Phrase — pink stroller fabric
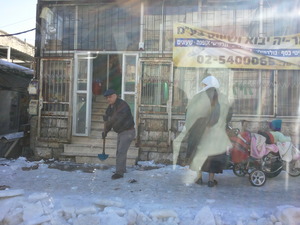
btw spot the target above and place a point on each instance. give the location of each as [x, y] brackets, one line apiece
[259, 148]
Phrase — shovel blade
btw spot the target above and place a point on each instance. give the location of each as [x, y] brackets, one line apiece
[102, 157]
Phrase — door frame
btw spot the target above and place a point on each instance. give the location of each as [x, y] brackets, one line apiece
[87, 92]
[170, 92]
[135, 92]
[90, 56]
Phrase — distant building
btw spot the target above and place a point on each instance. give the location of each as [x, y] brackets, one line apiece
[14, 50]
[131, 46]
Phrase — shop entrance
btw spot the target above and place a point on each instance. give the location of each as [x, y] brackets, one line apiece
[94, 73]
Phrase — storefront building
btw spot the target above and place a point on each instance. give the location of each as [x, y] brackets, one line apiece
[87, 46]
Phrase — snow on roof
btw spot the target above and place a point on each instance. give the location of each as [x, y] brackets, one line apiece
[9, 67]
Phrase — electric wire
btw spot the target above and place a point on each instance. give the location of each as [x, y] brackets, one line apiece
[26, 31]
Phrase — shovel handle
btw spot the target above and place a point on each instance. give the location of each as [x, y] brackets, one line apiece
[103, 148]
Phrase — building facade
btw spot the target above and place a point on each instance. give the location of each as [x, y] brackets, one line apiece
[84, 47]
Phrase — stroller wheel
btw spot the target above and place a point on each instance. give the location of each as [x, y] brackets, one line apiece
[239, 169]
[257, 178]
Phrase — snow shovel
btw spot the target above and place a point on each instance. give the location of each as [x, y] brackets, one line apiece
[103, 156]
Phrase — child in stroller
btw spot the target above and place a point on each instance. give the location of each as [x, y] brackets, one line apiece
[250, 156]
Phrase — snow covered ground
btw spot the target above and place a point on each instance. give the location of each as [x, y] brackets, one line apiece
[61, 193]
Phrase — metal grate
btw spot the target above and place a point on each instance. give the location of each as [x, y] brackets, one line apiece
[253, 92]
[55, 92]
[155, 87]
[110, 27]
[288, 94]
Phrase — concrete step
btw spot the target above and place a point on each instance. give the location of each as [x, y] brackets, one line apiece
[97, 126]
[89, 154]
[97, 141]
[109, 161]
[79, 149]
[100, 104]
[97, 117]
[100, 111]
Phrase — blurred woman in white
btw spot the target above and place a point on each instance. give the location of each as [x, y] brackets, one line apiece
[205, 129]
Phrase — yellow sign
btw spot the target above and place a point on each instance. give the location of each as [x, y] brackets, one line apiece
[195, 47]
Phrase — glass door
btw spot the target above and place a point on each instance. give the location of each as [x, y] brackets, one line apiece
[82, 94]
[129, 81]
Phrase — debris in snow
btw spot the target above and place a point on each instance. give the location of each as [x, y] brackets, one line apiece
[131, 217]
[86, 210]
[132, 181]
[288, 215]
[37, 196]
[27, 168]
[37, 220]
[204, 217]
[149, 165]
[116, 210]
[32, 210]
[105, 203]
[11, 193]
[112, 219]
[4, 187]
[163, 213]
[273, 219]
[160, 197]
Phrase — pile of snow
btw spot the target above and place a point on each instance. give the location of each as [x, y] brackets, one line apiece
[36, 194]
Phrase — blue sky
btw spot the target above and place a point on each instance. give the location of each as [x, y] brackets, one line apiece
[17, 16]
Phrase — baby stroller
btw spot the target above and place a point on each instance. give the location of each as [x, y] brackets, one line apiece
[269, 166]
[243, 163]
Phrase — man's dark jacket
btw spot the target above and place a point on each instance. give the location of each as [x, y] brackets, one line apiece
[118, 117]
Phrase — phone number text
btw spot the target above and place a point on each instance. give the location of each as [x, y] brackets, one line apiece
[240, 60]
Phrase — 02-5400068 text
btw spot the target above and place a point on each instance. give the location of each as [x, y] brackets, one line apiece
[240, 60]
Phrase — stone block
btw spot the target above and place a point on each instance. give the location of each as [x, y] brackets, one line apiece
[144, 156]
[148, 149]
[156, 136]
[53, 132]
[62, 123]
[161, 157]
[156, 125]
[57, 152]
[53, 144]
[43, 152]
[144, 135]
[63, 133]
[42, 144]
[164, 149]
[152, 144]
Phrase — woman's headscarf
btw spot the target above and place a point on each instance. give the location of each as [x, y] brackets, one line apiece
[210, 81]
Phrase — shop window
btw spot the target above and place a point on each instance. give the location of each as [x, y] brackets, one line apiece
[185, 86]
[288, 92]
[187, 83]
[250, 91]
[58, 28]
[155, 87]
[253, 92]
[109, 27]
[159, 19]
[56, 87]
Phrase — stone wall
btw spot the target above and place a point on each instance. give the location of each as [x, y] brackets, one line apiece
[153, 134]
[51, 142]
